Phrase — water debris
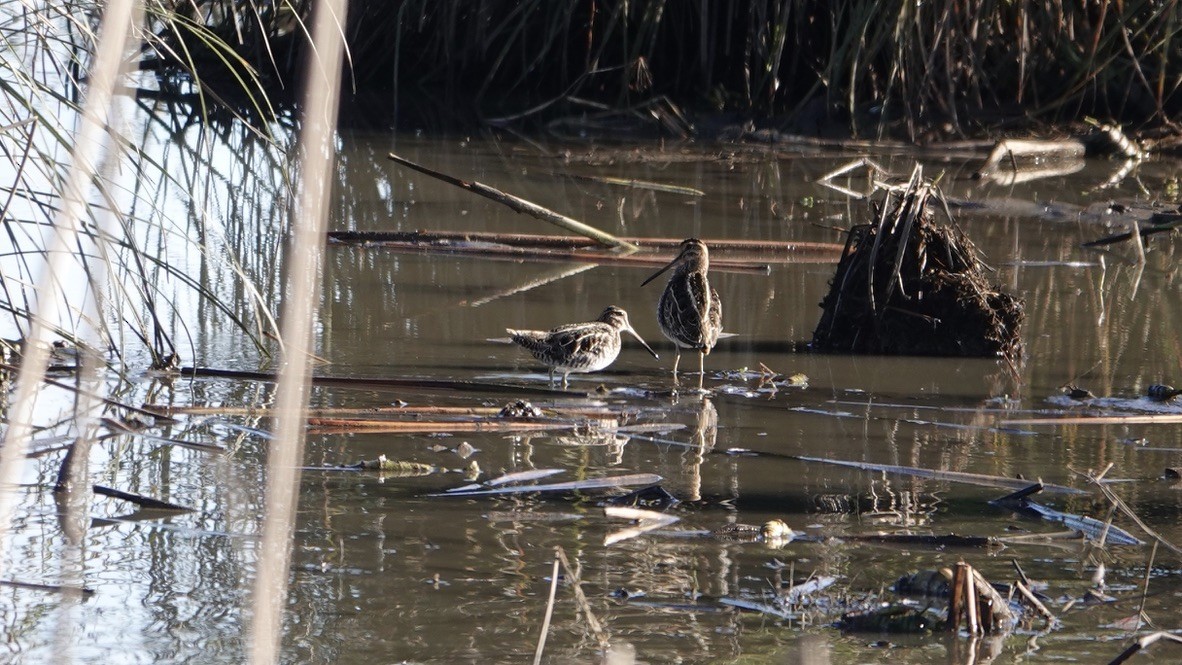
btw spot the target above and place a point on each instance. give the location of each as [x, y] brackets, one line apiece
[891, 618]
[1073, 391]
[522, 206]
[632, 183]
[520, 409]
[1013, 160]
[647, 520]
[1111, 139]
[52, 588]
[937, 474]
[737, 255]
[1092, 528]
[775, 532]
[985, 610]
[358, 426]
[139, 499]
[653, 497]
[1144, 643]
[401, 468]
[905, 286]
[925, 583]
[1144, 222]
[1162, 393]
[572, 486]
[508, 479]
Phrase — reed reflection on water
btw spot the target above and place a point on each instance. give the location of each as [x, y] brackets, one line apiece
[381, 571]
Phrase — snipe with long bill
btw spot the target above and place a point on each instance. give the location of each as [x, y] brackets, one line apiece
[579, 347]
[689, 311]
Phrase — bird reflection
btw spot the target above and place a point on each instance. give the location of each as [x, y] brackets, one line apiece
[703, 436]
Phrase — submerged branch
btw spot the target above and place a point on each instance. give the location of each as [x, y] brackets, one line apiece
[522, 206]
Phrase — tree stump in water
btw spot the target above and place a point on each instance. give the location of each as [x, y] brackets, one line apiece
[905, 286]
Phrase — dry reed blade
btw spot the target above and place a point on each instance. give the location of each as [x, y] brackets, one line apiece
[317, 142]
[549, 612]
[117, 24]
[522, 206]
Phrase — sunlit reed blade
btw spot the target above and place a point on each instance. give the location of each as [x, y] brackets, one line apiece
[115, 30]
[572, 486]
[317, 142]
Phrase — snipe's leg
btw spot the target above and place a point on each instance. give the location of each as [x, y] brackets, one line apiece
[565, 376]
[701, 368]
[676, 360]
[551, 377]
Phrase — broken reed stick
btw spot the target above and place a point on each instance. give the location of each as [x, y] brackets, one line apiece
[999, 609]
[139, 499]
[78, 391]
[970, 599]
[371, 382]
[581, 598]
[521, 205]
[599, 257]
[329, 412]
[1120, 504]
[341, 426]
[1034, 602]
[549, 612]
[956, 604]
[939, 474]
[1144, 643]
[735, 250]
[55, 588]
[1161, 419]
[632, 183]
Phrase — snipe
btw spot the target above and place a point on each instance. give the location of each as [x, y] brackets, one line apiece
[579, 347]
[689, 311]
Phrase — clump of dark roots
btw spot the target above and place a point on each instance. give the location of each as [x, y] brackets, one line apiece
[906, 286]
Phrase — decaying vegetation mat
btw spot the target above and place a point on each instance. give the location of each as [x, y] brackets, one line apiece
[907, 286]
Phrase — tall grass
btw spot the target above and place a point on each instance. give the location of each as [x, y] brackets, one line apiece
[128, 227]
[896, 66]
[877, 66]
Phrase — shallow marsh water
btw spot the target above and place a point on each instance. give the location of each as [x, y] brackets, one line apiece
[382, 572]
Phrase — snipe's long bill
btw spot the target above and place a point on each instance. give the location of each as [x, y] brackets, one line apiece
[689, 311]
[579, 347]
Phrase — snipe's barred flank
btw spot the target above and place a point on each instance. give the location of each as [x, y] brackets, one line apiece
[1162, 393]
[579, 347]
[689, 311]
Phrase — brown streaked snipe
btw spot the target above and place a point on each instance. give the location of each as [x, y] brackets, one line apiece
[579, 347]
[689, 311]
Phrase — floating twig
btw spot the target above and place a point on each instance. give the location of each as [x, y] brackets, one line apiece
[648, 520]
[733, 255]
[1091, 527]
[372, 382]
[549, 612]
[55, 588]
[139, 499]
[1158, 419]
[1123, 507]
[515, 477]
[636, 184]
[936, 474]
[572, 486]
[572, 575]
[1144, 643]
[343, 425]
[1035, 603]
[522, 206]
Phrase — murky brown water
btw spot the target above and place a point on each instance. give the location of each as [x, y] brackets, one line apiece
[382, 572]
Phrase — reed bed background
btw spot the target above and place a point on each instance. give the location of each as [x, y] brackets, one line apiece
[864, 66]
[218, 81]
